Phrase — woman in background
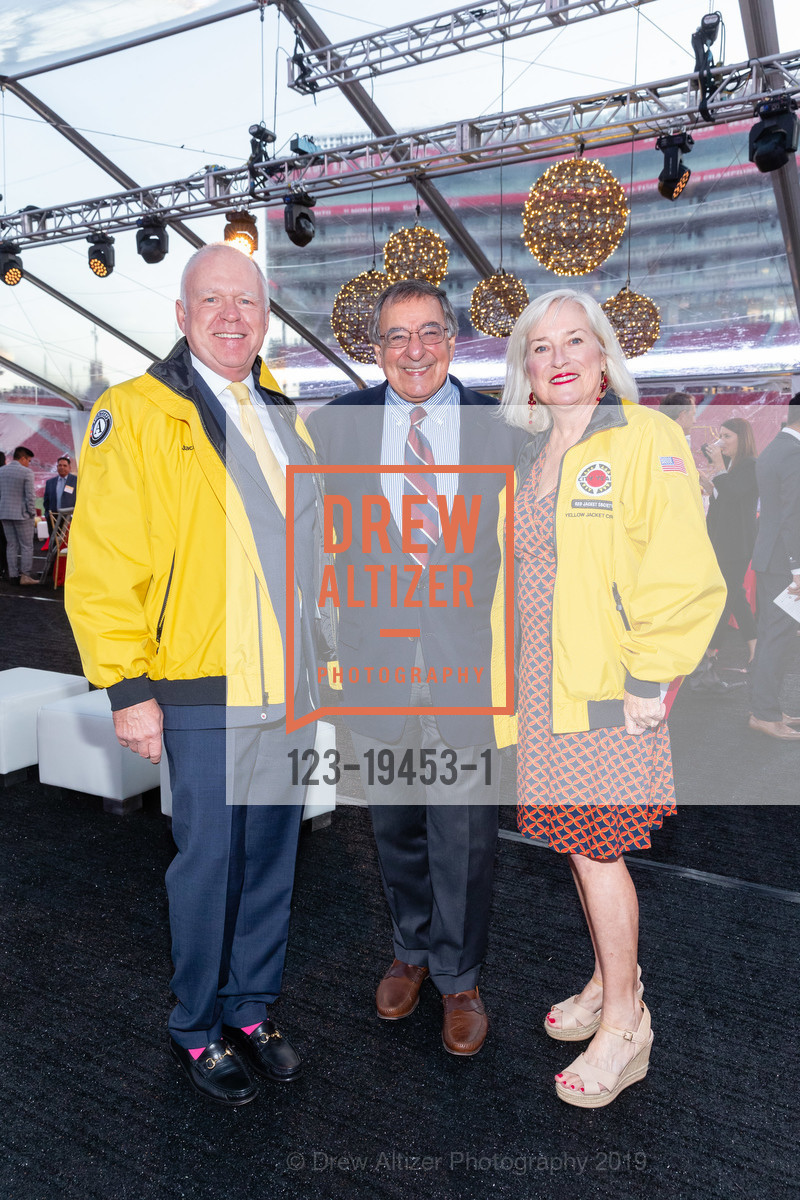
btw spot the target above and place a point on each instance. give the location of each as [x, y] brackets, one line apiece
[731, 484]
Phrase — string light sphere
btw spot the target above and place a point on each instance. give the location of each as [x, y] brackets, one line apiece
[496, 303]
[574, 216]
[635, 320]
[354, 302]
[416, 253]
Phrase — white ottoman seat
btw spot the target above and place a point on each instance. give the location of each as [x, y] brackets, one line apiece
[78, 749]
[320, 801]
[23, 691]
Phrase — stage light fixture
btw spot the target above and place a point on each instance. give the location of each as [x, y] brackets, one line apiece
[675, 175]
[709, 28]
[775, 136]
[241, 232]
[298, 219]
[260, 138]
[702, 39]
[10, 263]
[101, 254]
[152, 241]
[303, 145]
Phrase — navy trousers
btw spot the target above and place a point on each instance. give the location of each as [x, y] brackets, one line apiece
[230, 883]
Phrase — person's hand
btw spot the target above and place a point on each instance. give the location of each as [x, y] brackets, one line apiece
[716, 461]
[794, 586]
[642, 713]
[705, 483]
[138, 728]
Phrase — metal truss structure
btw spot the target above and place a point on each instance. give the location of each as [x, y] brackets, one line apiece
[568, 126]
[456, 31]
[389, 157]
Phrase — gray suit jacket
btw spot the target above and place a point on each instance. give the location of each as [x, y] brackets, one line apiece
[778, 474]
[17, 496]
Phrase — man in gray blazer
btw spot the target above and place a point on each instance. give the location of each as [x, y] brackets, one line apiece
[776, 562]
[17, 510]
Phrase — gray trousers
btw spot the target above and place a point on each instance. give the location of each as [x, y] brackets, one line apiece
[19, 546]
[436, 845]
[775, 633]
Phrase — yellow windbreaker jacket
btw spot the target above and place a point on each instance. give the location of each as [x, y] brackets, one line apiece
[165, 591]
[638, 591]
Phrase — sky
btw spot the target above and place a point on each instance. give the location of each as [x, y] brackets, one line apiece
[168, 109]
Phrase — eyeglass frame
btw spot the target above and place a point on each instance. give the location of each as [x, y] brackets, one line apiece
[432, 325]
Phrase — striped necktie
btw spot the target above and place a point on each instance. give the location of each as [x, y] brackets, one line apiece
[421, 483]
[257, 440]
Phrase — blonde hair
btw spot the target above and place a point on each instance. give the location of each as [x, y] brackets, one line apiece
[514, 406]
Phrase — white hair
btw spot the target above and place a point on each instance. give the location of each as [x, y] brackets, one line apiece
[214, 248]
[514, 406]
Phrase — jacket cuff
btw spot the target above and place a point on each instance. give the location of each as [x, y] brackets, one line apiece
[641, 687]
[128, 692]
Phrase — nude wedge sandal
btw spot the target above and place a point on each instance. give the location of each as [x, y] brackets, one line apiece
[587, 1022]
[593, 1077]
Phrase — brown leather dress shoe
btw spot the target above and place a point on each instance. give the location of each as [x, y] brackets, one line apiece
[776, 729]
[398, 992]
[465, 1022]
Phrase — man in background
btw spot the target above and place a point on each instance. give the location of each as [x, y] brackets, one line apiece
[776, 562]
[681, 407]
[17, 512]
[59, 491]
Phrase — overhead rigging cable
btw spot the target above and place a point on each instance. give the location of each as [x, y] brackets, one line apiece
[633, 144]
[5, 182]
[275, 92]
[263, 101]
[502, 109]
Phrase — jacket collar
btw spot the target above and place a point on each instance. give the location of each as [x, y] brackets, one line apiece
[176, 372]
[377, 395]
[609, 413]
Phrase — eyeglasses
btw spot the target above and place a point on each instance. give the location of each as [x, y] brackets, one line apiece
[429, 335]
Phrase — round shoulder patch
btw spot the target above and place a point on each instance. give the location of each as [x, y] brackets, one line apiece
[595, 479]
[101, 427]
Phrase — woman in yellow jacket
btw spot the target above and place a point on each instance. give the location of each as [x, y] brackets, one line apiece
[617, 592]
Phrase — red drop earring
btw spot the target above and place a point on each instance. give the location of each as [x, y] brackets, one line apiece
[531, 405]
[603, 386]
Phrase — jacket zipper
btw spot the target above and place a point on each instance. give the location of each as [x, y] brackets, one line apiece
[162, 614]
[585, 438]
[619, 607]
[264, 691]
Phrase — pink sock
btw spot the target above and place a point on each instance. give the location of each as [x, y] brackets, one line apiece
[248, 1029]
[196, 1053]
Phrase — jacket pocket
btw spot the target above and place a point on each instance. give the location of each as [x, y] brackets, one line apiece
[619, 606]
[162, 614]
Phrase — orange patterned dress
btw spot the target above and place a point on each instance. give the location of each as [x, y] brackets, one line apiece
[597, 793]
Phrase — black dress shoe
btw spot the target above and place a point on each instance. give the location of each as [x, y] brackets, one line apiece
[218, 1074]
[267, 1051]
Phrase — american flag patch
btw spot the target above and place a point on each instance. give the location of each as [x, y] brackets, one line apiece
[670, 463]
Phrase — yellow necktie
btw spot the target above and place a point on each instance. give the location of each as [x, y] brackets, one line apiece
[258, 442]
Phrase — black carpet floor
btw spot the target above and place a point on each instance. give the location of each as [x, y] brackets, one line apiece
[94, 1109]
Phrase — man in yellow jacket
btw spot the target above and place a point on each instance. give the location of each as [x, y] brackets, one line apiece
[178, 599]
